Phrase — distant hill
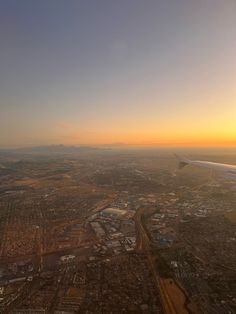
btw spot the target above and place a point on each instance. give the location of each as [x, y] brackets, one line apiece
[54, 149]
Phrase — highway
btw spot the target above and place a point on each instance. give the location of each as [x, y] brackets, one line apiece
[144, 245]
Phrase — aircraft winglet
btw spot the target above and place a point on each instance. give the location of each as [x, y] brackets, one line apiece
[182, 161]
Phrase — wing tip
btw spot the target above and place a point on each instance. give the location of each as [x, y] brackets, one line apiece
[182, 162]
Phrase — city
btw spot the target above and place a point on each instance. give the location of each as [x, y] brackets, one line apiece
[117, 157]
[115, 233]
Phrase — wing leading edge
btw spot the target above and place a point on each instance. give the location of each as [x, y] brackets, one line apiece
[225, 169]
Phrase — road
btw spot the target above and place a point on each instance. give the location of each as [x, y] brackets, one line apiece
[144, 245]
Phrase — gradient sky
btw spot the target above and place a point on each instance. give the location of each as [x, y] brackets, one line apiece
[143, 72]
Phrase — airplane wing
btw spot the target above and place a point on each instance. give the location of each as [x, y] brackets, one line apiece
[227, 170]
[182, 161]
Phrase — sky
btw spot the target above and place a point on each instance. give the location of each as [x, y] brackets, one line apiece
[108, 72]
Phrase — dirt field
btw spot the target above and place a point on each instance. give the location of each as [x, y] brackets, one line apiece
[75, 293]
[231, 216]
[175, 294]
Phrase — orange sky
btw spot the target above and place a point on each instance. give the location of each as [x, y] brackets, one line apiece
[134, 72]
